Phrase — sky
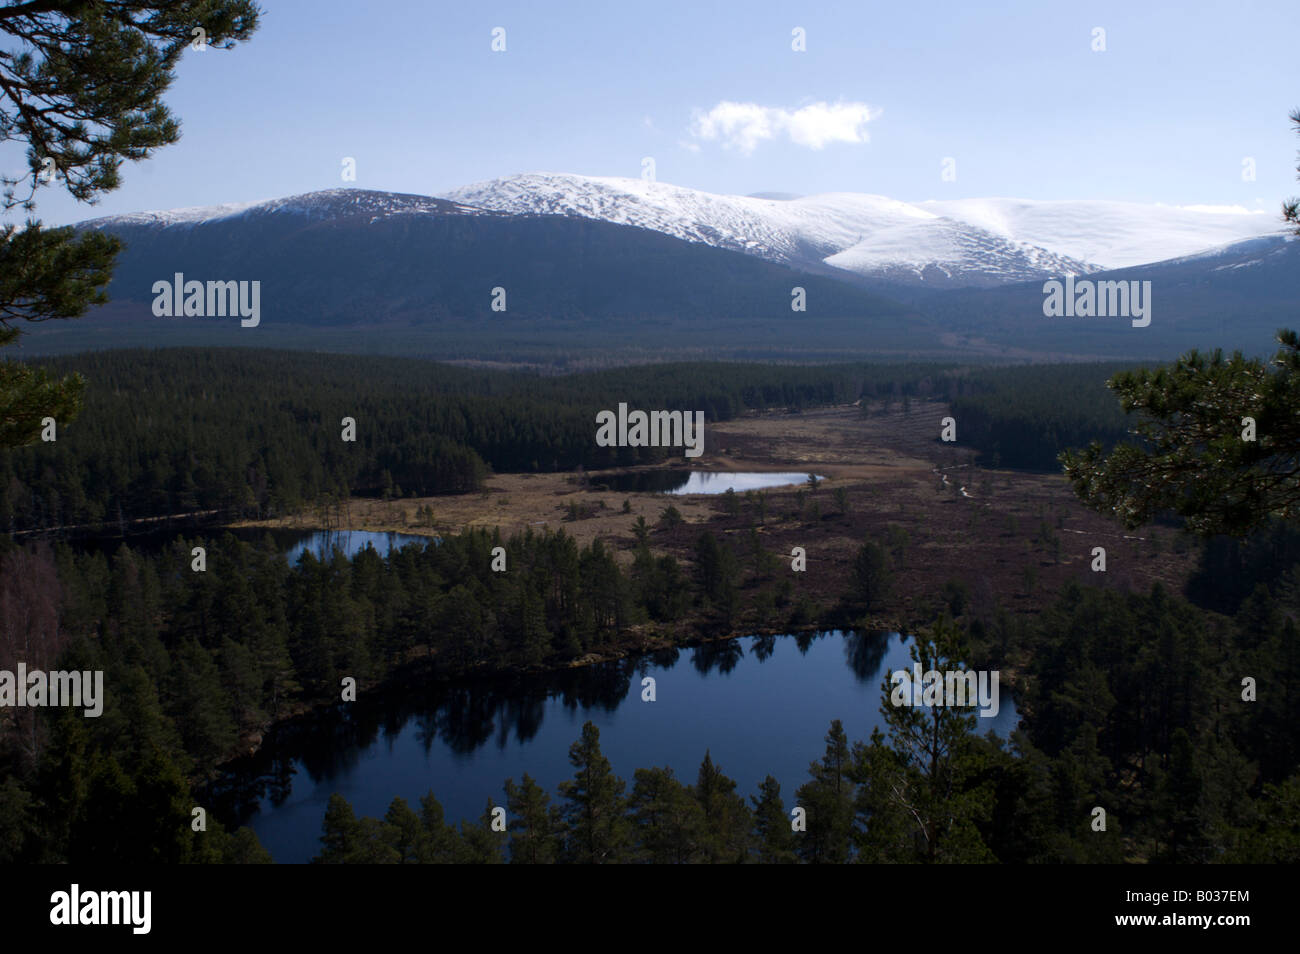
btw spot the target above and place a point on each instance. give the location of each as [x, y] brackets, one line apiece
[1018, 98]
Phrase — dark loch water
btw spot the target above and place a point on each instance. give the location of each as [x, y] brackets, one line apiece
[760, 705]
[695, 482]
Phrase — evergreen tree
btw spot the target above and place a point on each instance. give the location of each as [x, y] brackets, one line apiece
[596, 831]
[479, 843]
[1191, 457]
[872, 576]
[341, 834]
[403, 832]
[773, 836]
[1179, 791]
[534, 827]
[440, 843]
[82, 90]
[727, 821]
[828, 799]
[668, 822]
[921, 797]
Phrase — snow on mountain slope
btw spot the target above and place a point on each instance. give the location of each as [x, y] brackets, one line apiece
[783, 230]
[326, 204]
[944, 252]
[962, 242]
[1112, 234]
[867, 234]
[976, 241]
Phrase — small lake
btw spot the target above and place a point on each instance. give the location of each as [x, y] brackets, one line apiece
[759, 705]
[321, 543]
[696, 481]
[292, 543]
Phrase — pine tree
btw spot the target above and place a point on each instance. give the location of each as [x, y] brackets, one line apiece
[82, 91]
[872, 576]
[403, 832]
[535, 823]
[1191, 457]
[596, 831]
[726, 816]
[479, 843]
[439, 844]
[669, 823]
[1179, 794]
[773, 836]
[920, 791]
[828, 799]
[341, 833]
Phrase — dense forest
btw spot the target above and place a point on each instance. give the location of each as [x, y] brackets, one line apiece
[232, 433]
[1023, 417]
[198, 661]
[259, 433]
[1131, 703]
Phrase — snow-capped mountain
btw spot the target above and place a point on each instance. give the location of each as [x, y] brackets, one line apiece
[868, 235]
[327, 204]
[642, 260]
[356, 256]
[1111, 234]
[969, 242]
[936, 244]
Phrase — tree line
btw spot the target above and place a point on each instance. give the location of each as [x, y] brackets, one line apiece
[1181, 767]
[1131, 702]
[1024, 417]
[195, 663]
[247, 433]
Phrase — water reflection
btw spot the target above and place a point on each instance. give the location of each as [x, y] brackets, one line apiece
[769, 715]
[695, 481]
[322, 543]
[721, 656]
[865, 652]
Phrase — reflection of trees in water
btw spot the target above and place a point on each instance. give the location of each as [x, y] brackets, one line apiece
[235, 797]
[865, 653]
[805, 640]
[347, 733]
[665, 658]
[426, 729]
[466, 717]
[722, 656]
[604, 685]
[524, 712]
[324, 746]
[280, 783]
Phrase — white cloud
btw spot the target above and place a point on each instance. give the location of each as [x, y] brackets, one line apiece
[744, 125]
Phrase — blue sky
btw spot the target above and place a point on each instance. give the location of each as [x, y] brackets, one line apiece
[883, 93]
